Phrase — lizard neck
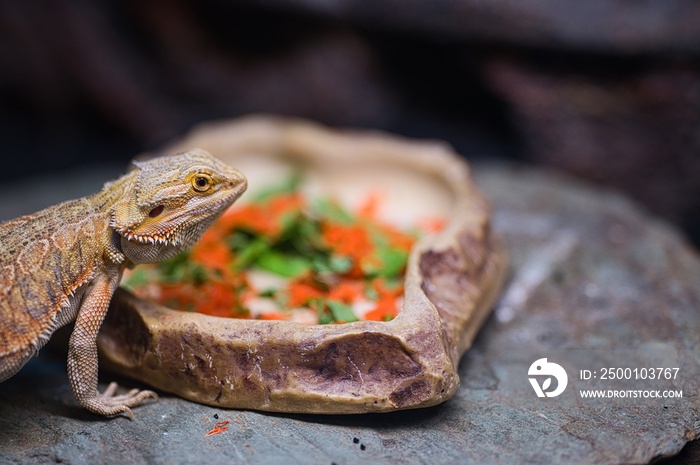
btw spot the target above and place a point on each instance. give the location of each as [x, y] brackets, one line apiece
[114, 192]
[103, 202]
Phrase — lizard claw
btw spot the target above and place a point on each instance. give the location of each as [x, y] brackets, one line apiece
[109, 404]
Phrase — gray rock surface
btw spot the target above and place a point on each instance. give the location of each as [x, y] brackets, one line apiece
[594, 283]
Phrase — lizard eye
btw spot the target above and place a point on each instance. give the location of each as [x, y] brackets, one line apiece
[201, 182]
[156, 211]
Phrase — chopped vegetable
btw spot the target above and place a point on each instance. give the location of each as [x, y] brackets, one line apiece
[342, 313]
[283, 257]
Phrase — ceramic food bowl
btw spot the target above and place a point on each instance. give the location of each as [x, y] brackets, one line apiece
[451, 282]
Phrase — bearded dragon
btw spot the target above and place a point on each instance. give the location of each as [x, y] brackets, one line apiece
[63, 264]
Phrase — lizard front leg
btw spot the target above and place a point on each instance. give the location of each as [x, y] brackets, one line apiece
[82, 354]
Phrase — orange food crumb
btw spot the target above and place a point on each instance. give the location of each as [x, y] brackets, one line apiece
[219, 427]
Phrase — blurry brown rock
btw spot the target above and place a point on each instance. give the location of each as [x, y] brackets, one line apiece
[607, 90]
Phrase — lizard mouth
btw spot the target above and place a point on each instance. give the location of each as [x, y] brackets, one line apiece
[148, 239]
[161, 238]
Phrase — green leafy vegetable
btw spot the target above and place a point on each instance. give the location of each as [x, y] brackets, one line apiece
[287, 265]
[341, 311]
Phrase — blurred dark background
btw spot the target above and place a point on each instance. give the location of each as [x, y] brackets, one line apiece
[608, 91]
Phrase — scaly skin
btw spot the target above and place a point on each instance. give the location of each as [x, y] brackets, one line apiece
[63, 263]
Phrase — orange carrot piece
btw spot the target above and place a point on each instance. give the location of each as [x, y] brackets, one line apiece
[286, 203]
[216, 299]
[349, 240]
[352, 241]
[381, 288]
[370, 206]
[386, 308]
[346, 291]
[301, 293]
[211, 252]
[251, 217]
[398, 239]
[263, 219]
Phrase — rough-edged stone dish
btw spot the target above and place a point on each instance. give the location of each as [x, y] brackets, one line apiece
[452, 280]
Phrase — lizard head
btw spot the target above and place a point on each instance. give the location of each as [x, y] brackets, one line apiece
[171, 202]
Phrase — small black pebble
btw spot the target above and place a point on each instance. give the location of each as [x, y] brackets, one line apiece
[355, 440]
[216, 416]
[362, 447]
